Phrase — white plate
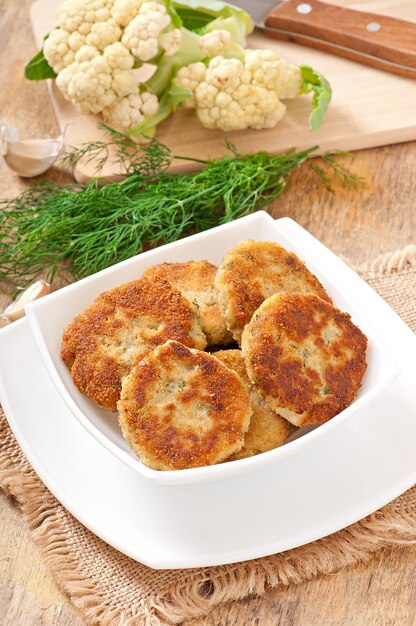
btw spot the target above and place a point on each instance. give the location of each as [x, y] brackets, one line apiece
[50, 315]
[336, 479]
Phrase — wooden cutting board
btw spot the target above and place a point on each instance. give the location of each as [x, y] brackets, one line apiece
[369, 107]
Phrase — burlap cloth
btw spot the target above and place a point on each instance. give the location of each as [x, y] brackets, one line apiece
[110, 588]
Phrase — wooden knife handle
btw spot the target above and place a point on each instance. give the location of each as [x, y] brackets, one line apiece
[383, 42]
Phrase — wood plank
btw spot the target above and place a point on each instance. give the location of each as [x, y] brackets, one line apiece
[369, 108]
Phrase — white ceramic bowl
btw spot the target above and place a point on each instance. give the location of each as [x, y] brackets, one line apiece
[49, 316]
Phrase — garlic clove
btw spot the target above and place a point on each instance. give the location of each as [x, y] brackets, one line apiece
[16, 309]
[28, 157]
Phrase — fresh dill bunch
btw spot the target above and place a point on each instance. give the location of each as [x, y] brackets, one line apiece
[94, 226]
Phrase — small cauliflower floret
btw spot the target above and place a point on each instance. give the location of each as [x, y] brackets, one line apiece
[124, 11]
[124, 82]
[171, 41]
[131, 110]
[141, 36]
[80, 15]
[215, 43]
[57, 50]
[86, 53]
[118, 56]
[92, 84]
[228, 98]
[190, 77]
[76, 41]
[270, 71]
[290, 81]
[103, 34]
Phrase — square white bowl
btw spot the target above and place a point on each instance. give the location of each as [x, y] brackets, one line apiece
[49, 316]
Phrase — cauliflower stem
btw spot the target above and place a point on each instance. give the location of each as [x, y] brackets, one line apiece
[188, 52]
[168, 104]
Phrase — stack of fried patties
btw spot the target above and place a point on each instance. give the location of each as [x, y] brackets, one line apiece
[208, 364]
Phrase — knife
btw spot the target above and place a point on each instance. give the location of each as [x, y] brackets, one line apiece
[383, 42]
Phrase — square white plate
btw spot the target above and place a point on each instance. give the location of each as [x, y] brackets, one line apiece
[332, 480]
[50, 315]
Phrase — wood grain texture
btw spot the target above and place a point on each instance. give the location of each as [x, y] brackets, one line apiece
[343, 31]
[363, 112]
[357, 226]
[358, 596]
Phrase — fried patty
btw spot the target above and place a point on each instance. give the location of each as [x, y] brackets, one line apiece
[254, 270]
[195, 280]
[183, 408]
[109, 337]
[267, 430]
[305, 356]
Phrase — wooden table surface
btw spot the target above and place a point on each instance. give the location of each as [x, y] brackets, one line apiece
[358, 226]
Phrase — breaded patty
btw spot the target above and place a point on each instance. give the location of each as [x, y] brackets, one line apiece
[109, 337]
[254, 270]
[267, 430]
[195, 280]
[305, 356]
[182, 408]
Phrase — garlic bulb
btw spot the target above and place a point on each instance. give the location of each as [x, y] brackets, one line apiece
[16, 309]
[28, 157]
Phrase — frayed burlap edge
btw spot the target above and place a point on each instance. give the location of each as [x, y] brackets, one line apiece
[393, 525]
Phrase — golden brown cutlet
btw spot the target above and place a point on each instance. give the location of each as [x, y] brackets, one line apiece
[305, 356]
[254, 270]
[109, 337]
[267, 429]
[195, 280]
[182, 408]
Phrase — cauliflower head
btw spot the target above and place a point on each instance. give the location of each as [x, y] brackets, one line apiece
[91, 83]
[197, 49]
[81, 22]
[230, 98]
[131, 110]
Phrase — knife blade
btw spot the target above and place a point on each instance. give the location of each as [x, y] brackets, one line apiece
[383, 42]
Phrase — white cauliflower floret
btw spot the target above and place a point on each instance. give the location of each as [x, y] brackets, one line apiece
[86, 53]
[290, 81]
[233, 94]
[103, 34]
[124, 82]
[57, 50]
[215, 43]
[131, 110]
[190, 77]
[171, 41]
[272, 72]
[118, 56]
[141, 36]
[124, 11]
[80, 15]
[229, 99]
[93, 84]
[76, 40]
